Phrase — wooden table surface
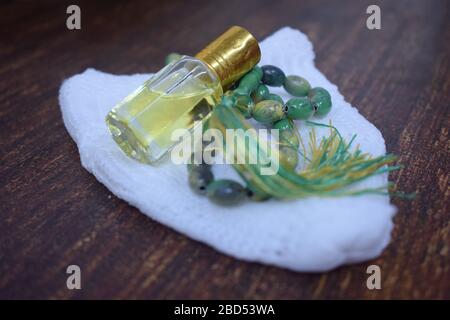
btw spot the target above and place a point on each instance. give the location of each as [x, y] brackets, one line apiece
[54, 213]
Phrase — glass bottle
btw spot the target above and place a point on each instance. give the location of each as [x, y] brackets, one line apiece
[179, 95]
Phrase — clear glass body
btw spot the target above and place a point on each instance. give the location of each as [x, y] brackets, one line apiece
[178, 96]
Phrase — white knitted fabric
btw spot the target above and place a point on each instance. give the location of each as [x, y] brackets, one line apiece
[314, 234]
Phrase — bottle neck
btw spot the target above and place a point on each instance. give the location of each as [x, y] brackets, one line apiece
[231, 55]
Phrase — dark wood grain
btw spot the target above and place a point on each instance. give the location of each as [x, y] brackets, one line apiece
[54, 213]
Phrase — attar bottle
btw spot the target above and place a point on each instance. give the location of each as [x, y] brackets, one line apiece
[179, 95]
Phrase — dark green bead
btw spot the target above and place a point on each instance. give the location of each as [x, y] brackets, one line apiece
[171, 57]
[274, 97]
[321, 101]
[273, 76]
[200, 178]
[288, 157]
[249, 82]
[225, 192]
[289, 137]
[297, 86]
[244, 104]
[197, 166]
[299, 108]
[268, 111]
[260, 93]
[283, 124]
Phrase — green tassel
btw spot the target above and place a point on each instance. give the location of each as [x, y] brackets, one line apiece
[329, 168]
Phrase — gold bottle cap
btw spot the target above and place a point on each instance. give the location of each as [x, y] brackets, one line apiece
[231, 55]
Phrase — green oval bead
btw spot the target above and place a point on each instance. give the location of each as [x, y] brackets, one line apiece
[244, 104]
[275, 97]
[299, 108]
[319, 91]
[225, 192]
[297, 86]
[260, 93]
[268, 111]
[273, 76]
[288, 157]
[322, 105]
[290, 138]
[283, 124]
[321, 101]
[200, 178]
[171, 57]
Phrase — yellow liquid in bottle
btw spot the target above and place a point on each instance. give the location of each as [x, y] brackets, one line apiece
[142, 124]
